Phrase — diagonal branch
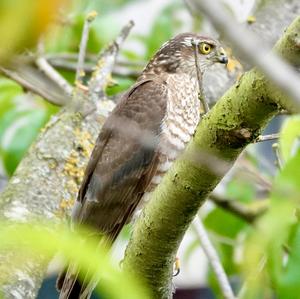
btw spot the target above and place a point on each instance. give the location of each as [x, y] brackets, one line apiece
[246, 212]
[50, 72]
[246, 43]
[213, 258]
[235, 121]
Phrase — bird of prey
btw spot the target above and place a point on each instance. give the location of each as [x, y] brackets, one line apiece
[139, 141]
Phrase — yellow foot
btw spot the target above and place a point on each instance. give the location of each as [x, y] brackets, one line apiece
[176, 267]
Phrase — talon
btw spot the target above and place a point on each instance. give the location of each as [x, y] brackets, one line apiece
[176, 267]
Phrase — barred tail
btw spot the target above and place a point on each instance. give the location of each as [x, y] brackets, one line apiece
[70, 287]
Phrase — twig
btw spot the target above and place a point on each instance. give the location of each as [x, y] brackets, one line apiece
[89, 68]
[284, 112]
[28, 80]
[268, 137]
[101, 74]
[278, 161]
[83, 43]
[213, 258]
[246, 212]
[246, 42]
[50, 72]
[66, 56]
[199, 78]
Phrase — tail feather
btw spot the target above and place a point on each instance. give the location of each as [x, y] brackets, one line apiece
[69, 285]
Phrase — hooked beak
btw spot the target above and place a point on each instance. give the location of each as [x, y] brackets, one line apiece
[222, 56]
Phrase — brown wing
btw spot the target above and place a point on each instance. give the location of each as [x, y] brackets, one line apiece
[124, 159]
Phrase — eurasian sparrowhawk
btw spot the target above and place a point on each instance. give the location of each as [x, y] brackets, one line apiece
[139, 141]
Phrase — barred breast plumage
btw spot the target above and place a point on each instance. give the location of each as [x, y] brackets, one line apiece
[178, 127]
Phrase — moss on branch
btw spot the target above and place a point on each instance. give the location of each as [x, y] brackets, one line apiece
[235, 121]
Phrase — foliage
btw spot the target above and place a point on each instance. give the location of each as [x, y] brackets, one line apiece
[21, 118]
[28, 240]
[265, 254]
[33, 18]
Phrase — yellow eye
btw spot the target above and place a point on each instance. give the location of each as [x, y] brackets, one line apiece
[205, 48]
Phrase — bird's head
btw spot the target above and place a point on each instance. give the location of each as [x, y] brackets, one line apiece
[179, 54]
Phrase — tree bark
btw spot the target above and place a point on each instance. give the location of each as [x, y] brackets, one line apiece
[236, 120]
[45, 187]
[45, 184]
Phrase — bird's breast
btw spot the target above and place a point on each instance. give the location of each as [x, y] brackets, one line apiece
[178, 126]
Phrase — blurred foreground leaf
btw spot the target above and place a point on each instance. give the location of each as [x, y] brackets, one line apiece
[290, 137]
[22, 22]
[26, 241]
[272, 250]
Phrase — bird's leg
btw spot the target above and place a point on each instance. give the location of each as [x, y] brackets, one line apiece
[176, 267]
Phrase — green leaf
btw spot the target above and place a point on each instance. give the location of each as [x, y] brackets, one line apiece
[289, 281]
[26, 241]
[241, 190]
[8, 91]
[265, 253]
[227, 226]
[233, 223]
[21, 117]
[19, 134]
[289, 140]
[163, 29]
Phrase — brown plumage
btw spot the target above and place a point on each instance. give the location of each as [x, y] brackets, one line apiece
[139, 141]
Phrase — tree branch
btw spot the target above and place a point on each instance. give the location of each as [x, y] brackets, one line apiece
[268, 137]
[101, 75]
[83, 44]
[246, 43]
[235, 121]
[246, 212]
[213, 258]
[88, 68]
[49, 71]
[46, 182]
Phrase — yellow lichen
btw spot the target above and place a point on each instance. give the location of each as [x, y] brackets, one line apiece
[64, 206]
[74, 167]
[251, 19]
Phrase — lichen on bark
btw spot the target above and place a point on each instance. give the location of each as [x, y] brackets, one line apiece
[44, 187]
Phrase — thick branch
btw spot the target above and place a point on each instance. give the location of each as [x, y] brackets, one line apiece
[46, 182]
[246, 43]
[235, 121]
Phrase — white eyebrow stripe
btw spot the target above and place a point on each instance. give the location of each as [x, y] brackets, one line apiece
[187, 41]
